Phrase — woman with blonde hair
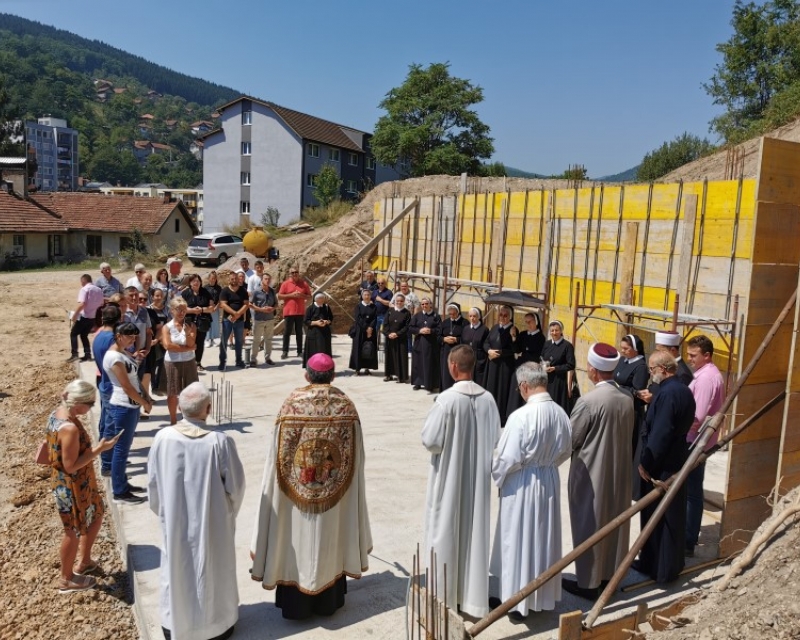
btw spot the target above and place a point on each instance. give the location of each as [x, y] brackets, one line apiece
[74, 485]
[178, 339]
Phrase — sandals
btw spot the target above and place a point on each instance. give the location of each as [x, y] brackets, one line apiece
[78, 583]
[89, 568]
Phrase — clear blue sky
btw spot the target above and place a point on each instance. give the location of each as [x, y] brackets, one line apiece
[593, 83]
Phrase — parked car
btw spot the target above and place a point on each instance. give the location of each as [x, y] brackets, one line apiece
[215, 248]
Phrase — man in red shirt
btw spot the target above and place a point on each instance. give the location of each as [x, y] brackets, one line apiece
[294, 293]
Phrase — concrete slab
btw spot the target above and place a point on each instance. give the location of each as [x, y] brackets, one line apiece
[396, 474]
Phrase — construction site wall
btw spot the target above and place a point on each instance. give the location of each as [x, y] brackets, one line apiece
[713, 245]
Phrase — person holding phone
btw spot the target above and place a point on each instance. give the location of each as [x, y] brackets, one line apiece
[74, 484]
[125, 404]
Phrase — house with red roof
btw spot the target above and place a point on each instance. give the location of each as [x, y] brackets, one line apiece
[64, 226]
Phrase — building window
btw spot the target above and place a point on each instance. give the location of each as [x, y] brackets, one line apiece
[94, 245]
[333, 155]
[245, 206]
[313, 150]
[245, 177]
[246, 148]
[177, 225]
[370, 162]
[352, 186]
[247, 117]
[18, 245]
[352, 159]
[57, 245]
[311, 180]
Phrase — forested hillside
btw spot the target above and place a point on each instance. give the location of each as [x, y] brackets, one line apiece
[114, 99]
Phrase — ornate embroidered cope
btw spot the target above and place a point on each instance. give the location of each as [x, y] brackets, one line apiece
[316, 447]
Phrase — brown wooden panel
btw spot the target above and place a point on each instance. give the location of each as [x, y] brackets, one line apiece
[789, 482]
[789, 468]
[750, 399]
[791, 436]
[771, 287]
[739, 520]
[774, 364]
[775, 222]
[751, 468]
[779, 171]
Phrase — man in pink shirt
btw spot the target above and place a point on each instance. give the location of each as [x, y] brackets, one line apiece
[294, 293]
[708, 389]
[90, 299]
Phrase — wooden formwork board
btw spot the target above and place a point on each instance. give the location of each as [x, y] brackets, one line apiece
[751, 398]
[740, 519]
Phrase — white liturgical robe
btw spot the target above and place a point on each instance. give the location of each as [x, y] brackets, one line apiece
[527, 541]
[195, 486]
[461, 430]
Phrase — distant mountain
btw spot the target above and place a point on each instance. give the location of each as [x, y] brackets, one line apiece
[625, 176]
[511, 172]
[95, 58]
[137, 120]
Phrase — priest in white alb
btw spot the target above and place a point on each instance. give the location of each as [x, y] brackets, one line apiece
[461, 430]
[195, 486]
[312, 528]
[536, 440]
[599, 486]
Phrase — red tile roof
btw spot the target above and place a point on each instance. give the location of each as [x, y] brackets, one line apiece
[19, 215]
[119, 214]
[147, 116]
[306, 126]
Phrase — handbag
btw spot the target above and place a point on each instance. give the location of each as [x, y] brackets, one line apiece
[203, 323]
[368, 350]
[352, 331]
[43, 454]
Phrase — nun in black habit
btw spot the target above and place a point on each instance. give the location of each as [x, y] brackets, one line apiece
[424, 328]
[559, 356]
[474, 334]
[528, 348]
[318, 321]
[395, 328]
[364, 331]
[449, 336]
[499, 347]
[632, 375]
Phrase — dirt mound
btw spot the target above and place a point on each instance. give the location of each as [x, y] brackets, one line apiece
[716, 166]
[762, 602]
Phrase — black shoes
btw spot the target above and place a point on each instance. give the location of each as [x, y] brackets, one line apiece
[132, 488]
[284, 356]
[73, 358]
[128, 498]
[269, 361]
[416, 387]
[571, 586]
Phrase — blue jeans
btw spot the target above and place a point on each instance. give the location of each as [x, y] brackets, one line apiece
[694, 505]
[237, 328]
[124, 419]
[213, 333]
[105, 428]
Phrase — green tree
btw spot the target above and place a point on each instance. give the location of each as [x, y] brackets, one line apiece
[429, 124]
[492, 170]
[671, 155]
[117, 167]
[759, 61]
[10, 125]
[328, 185]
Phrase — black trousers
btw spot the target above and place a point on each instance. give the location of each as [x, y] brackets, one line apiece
[293, 324]
[81, 327]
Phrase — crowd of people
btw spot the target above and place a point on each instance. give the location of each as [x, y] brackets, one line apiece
[508, 412]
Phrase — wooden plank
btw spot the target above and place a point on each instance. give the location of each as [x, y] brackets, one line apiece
[791, 431]
[687, 246]
[774, 223]
[612, 629]
[751, 468]
[773, 367]
[740, 519]
[779, 171]
[751, 398]
[569, 625]
[772, 287]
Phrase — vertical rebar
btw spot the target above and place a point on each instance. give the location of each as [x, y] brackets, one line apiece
[446, 611]
[419, 591]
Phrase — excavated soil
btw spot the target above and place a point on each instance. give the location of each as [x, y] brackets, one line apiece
[35, 344]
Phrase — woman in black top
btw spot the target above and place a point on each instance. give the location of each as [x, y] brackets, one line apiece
[449, 336]
[559, 356]
[474, 334]
[198, 312]
[213, 289]
[364, 331]
[317, 321]
[528, 348]
[633, 375]
[499, 347]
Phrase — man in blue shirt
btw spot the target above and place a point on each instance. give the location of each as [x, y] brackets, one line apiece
[103, 339]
